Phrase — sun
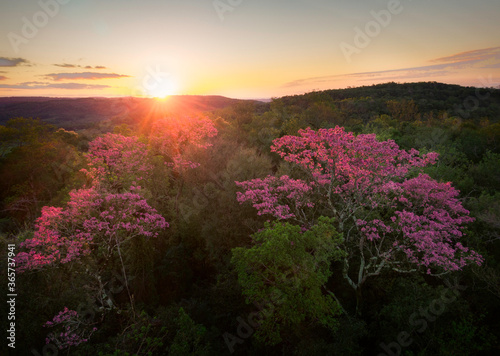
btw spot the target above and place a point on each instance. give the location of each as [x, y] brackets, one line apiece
[162, 89]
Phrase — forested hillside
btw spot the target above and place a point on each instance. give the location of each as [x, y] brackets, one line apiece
[360, 221]
[81, 113]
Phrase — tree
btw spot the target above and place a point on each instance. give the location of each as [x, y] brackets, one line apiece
[287, 268]
[97, 223]
[72, 330]
[404, 110]
[36, 166]
[93, 224]
[173, 138]
[391, 218]
[90, 222]
[115, 162]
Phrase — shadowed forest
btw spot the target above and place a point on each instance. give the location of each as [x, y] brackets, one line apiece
[358, 221]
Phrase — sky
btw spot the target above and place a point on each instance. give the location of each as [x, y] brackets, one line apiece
[242, 48]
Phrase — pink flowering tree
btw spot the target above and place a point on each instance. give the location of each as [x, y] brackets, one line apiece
[392, 216]
[116, 162]
[89, 221]
[68, 329]
[93, 225]
[97, 223]
[173, 138]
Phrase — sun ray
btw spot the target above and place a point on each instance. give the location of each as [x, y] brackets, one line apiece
[162, 89]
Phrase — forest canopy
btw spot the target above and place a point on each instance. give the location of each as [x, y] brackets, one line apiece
[355, 221]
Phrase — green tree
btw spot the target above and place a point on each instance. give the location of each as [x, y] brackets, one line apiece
[286, 269]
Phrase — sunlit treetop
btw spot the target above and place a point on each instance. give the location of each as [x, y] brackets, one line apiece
[172, 138]
[90, 219]
[116, 162]
[401, 219]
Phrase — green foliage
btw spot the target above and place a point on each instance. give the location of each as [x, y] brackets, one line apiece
[437, 318]
[287, 268]
[171, 333]
[486, 173]
[453, 166]
[190, 338]
[291, 284]
[464, 336]
[38, 167]
[146, 336]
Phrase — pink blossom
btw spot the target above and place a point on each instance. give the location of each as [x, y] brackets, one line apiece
[365, 184]
[116, 161]
[172, 139]
[90, 218]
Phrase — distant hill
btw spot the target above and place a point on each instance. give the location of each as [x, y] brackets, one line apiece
[392, 91]
[351, 103]
[79, 113]
[366, 101]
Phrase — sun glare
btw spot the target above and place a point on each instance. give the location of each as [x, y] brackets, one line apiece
[162, 89]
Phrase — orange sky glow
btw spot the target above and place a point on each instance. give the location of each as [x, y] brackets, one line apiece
[240, 48]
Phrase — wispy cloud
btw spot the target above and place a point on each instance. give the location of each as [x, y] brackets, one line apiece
[3, 77]
[44, 85]
[67, 65]
[12, 62]
[476, 55]
[488, 58]
[85, 75]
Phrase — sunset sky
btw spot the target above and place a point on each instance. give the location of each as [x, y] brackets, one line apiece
[242, 48]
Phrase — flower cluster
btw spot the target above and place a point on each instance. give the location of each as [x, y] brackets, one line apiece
[63, 235]
[429, 222]
[355, 161]
[109, 213]
[172, 138]
[115, 161]
[357, 178]
[71, 333]
[273, 195]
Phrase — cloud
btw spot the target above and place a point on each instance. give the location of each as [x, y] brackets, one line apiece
[3, 77]
[44, 85]
[488, 58]
[408, 75]
[12, 62]
[492, 66]
[388, 75]
[66, 65]
[469, 56]
[85, 75]
[78, 86]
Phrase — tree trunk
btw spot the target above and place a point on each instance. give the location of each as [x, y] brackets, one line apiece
[359, 300]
